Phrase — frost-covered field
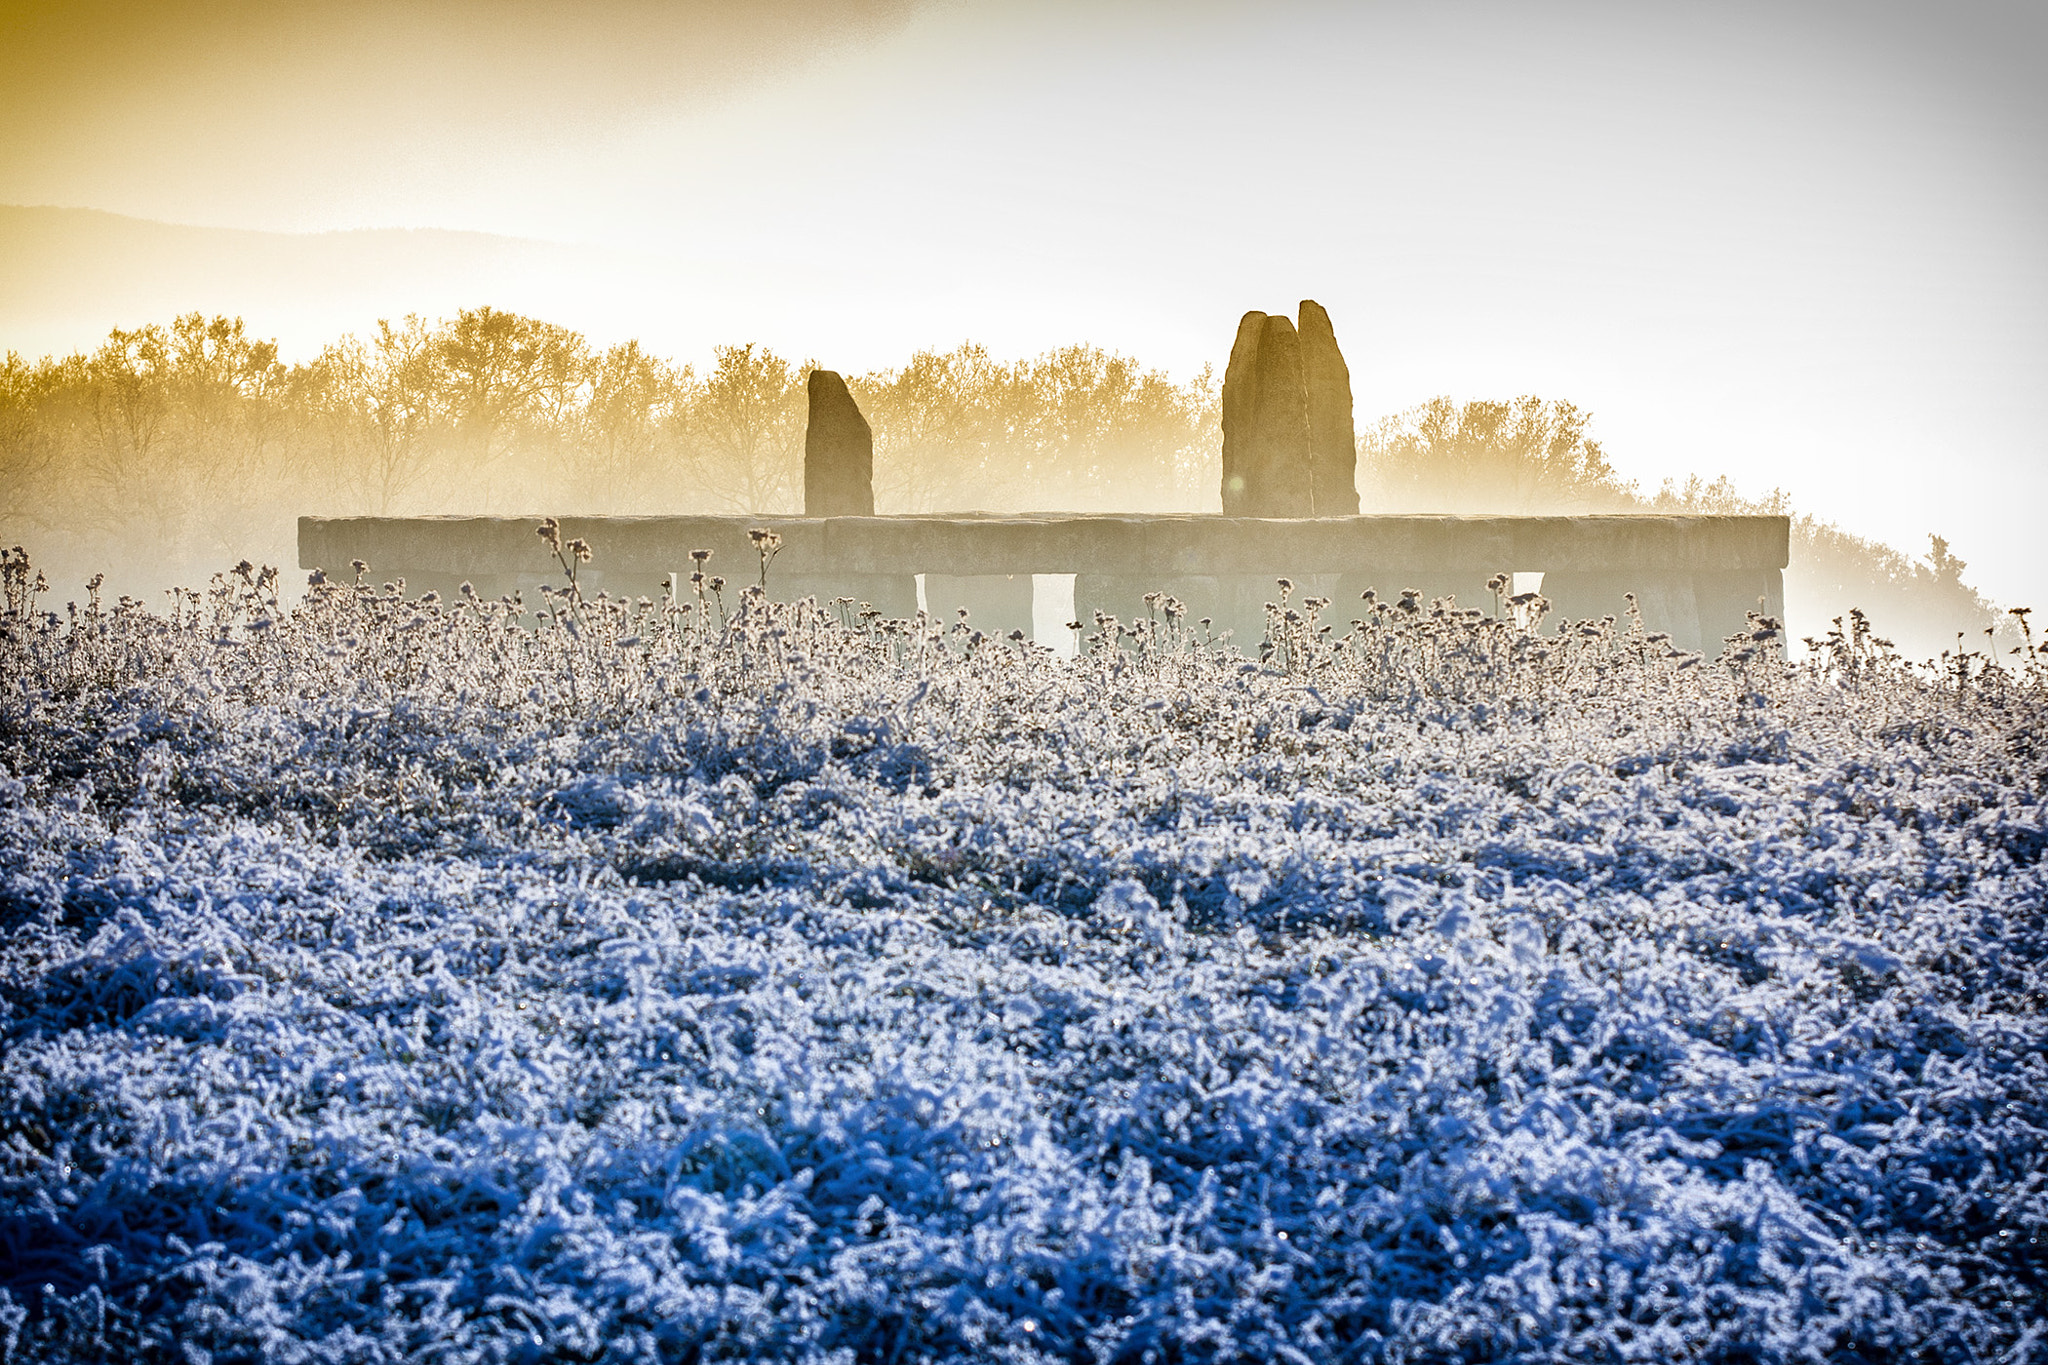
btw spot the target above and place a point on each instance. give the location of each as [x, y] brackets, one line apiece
[385, 982]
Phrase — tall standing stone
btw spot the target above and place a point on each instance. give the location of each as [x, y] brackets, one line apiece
[1277, 468]
[1240, 405]
[839, 452]
[1333, 442]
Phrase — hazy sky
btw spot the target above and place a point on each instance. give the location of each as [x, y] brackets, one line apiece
[1804, 244]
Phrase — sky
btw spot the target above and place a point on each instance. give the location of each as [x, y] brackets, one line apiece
[1796, 243]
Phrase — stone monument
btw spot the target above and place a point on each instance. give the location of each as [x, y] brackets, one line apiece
[839, 452]
[1289, 447]
[1333, 442]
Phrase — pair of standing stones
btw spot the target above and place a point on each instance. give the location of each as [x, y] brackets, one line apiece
[1289, 447]
[1288, 451]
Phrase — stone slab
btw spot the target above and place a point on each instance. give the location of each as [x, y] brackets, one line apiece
[1139, 545]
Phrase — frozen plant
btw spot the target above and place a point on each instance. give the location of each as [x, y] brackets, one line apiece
[389, 979]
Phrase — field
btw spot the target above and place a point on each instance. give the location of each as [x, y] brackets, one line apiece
[701, 979]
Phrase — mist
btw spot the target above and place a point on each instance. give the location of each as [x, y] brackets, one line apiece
[535, 825]
[172, 451]
[1791, 245]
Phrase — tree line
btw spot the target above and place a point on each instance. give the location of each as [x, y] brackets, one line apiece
[174, 446]
[1528, 455]
[172, 450]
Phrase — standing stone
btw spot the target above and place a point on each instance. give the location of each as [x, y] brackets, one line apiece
[839, 452]
[1333, 443]
[1276, 467]
[1289, 448]
[1240, 402]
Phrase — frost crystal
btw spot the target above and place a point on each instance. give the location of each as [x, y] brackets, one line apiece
[401, 981]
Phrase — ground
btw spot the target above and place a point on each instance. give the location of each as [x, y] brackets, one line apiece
[408, 981]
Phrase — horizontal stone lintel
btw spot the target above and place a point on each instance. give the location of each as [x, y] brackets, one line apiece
[1081, 543]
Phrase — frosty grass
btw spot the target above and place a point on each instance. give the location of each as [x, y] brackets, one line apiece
[388, 981]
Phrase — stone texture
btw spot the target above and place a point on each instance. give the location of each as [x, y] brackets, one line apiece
[894, 595]
[1333, 442]
[1240, 404]
[839, 452]
[996, 603]
[1742, 547]
[1276, 463]
[1666, 600]
[1726, 597]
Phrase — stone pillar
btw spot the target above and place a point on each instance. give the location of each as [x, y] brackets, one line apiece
[839, 452]
[1726, 597]
[1240, 400]
[1277, 475]
[1333, 441]
[1666, 600]
[1289, 447]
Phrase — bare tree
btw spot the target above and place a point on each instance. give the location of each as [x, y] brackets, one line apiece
[497, 371]
[943, 428]
[742, 431]
[28, 443]
[1104, 432]
[381, 410]
[1524, 455]
[227, 417]
[614, 439]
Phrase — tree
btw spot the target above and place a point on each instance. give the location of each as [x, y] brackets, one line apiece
[222, 384]
[942, 425]
[1106, 433]
[497, 370]
[127, 400]
[28, 441]
[226, 390]
[123, 396]
[616, 435]
[1525, 455]
[1073, 428]
[742, 431]
[381, 408]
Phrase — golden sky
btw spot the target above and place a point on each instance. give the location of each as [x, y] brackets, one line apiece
[1798, 243]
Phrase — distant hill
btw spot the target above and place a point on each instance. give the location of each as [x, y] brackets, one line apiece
[69, 275]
